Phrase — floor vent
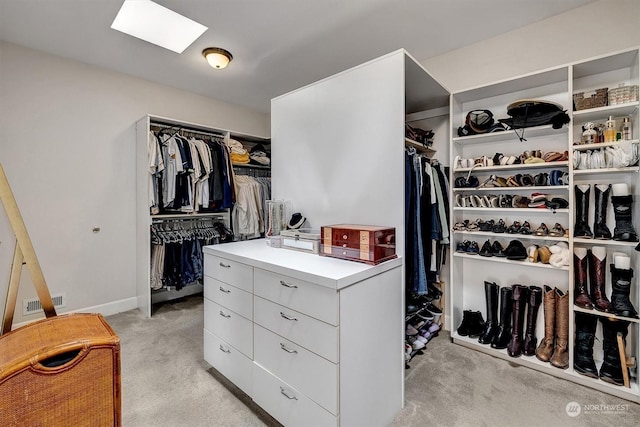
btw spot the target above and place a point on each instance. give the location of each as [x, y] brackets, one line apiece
[31, 306]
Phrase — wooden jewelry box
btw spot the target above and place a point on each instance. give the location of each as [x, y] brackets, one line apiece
[362, 243]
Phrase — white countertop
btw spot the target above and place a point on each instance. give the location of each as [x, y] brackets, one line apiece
[330, 272]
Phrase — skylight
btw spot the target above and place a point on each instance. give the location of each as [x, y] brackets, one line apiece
[156, 24]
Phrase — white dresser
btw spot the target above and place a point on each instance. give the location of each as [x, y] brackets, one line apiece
[314, 341]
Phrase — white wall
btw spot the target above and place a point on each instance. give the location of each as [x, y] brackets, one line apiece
[67, 143]
[592, 30]
[337, 147]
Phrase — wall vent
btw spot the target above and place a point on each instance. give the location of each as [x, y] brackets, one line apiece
[31, 306]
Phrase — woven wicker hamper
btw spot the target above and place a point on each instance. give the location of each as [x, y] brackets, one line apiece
[60, 371]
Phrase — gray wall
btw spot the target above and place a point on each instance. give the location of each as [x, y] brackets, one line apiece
[67, 143]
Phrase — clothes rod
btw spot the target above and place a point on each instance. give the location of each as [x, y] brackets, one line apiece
[186, 129]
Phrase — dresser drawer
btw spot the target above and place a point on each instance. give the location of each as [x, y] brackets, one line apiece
[311, 374]
[231, 272]
[228, 360]
[312, 334]
[308, 298]
[230, 326]
[286, 404]
[229, 296]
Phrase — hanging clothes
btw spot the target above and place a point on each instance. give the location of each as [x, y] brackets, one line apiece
[248, 214]
[426, 221]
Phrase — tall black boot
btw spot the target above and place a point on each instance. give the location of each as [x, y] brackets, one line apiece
[530, 340]
[501, 339]
[583, 345]
[620, 290]
[611, 369]
[491, 326]
[600, 229]
[623, 230]
[520, 295]
[581, 227]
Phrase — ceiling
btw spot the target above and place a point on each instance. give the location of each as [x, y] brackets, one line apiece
[277, 45]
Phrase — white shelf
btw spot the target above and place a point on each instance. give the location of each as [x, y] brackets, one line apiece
[527, 210]
[518, 236]
[598, 242]
[602, 314]
[430, 152]
[509, 135]
[584, 147]
[546, 165]
[508, 261]
[601, 113]
[606, 170]
[531, 188]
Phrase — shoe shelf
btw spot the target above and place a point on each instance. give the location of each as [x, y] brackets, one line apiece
[616, 390]
[598, 242]
[519, 166]
[530, 188]
[523, 210]
[511, 236]
[603, 314]
[509, 135]
[583, 147]
[601, 113]
[628, 169]
[508, 261]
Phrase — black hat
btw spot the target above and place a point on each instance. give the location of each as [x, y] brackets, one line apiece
[296, 221]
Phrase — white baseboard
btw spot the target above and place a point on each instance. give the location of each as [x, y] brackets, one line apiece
[107, 309]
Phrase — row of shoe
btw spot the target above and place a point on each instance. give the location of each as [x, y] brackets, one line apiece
[422, 307]
[506, 201]
[509, 330]
[624, 154]
[556, 255]
[515, 228]
[418, 335]
[622, 209]
[592, 264]
[514, 251]
[499, 159]
[542, 179]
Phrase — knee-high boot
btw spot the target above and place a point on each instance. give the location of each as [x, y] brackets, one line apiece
[600, 229]
[580, 274]
[520, 294]
[597, 278]
[530, 340]
[545, 349]
[502, 337]
[581, 227]
[611, 369]
[491, 325]
[560, 358]
[583, 345]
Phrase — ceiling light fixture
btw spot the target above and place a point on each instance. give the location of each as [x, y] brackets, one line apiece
[156, 24]
[217, 57]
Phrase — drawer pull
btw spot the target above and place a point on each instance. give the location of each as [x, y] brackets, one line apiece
[284, 316]
[284, 393]
[284, 347]
[222, 349]
[224, 315]
[288, 285]
[226, 291]
[344, 236]
[225, 265]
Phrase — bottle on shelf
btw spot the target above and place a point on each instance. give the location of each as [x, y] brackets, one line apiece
[626, 129]
[610, 130]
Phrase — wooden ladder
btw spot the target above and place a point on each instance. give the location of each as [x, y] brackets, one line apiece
[23, 254]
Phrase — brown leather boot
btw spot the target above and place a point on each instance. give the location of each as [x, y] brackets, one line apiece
[560, 358]
[545, 349]
[597, 277]
[520, 296]
[580, 292]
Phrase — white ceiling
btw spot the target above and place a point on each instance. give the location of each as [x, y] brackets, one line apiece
[278, 45]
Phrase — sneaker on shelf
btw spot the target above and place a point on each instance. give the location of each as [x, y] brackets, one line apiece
[415, 343]
[411, 331]
[433, 309]
[425, 314]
